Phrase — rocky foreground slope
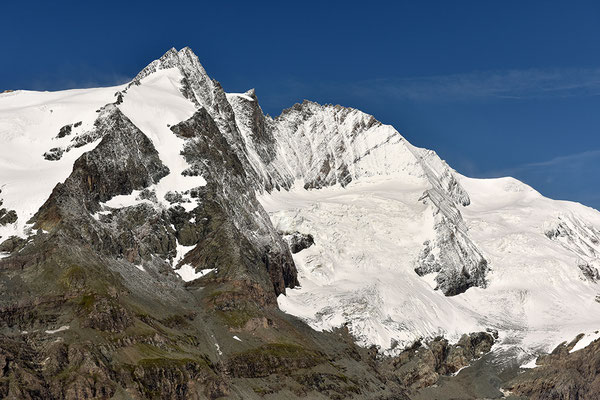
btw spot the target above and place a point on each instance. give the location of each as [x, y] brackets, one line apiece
[151, 233]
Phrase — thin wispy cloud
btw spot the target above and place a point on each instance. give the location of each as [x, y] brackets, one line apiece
[100, 80]
[571, 160]
[571, 176]
[474, 87]
[516, 84]
[572, 163]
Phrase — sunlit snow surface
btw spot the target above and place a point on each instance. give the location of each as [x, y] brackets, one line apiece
[154, 106]
[367, 237]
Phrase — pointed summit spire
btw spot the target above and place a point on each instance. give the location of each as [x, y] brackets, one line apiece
[184, 59]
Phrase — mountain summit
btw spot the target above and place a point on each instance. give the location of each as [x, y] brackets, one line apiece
[166, 239]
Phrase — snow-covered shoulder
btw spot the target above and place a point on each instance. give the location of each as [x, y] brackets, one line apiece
[31, 124]
[361, 269]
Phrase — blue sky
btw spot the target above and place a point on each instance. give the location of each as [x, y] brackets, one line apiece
[495, 87]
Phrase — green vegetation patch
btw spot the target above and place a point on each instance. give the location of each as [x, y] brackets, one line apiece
[271, 359]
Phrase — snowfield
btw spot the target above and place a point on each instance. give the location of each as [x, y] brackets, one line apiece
[367, 236]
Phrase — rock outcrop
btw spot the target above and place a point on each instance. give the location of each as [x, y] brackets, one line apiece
[422, 364]
[561, 374]
[298, 241]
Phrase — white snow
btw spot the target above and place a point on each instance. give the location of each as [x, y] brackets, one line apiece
[360, 270]
[242, 95]
[30, 122]
[181, 252]
[97, 215]
[154, 106]
[188, 273]
[460, 369]
[586, 340]
[237, 338]
[124, 200]
[530, 364]
[62, 328]
[536, 286]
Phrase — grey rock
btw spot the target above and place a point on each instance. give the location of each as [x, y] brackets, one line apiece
[298, 241]
[64, 131]
[54, 154]
[7, 216]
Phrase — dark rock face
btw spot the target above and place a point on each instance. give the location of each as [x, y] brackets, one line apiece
[228, 205]
[589, 272]
[164, 378]
[262, 135]
[12, 244]
[54, 154]
[298, 241]
[7, 216]
[562, 375]
[107, 315]
[134, 163]
[64, 131]
[272, 359]
[459, 264]
[125, 160]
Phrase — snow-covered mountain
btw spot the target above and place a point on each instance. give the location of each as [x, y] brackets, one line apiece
[405, 248]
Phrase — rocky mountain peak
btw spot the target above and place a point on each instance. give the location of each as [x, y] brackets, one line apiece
[185, 60]
[176, 216]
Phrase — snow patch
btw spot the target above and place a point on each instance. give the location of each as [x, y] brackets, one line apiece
[181, 252]
[530, 364]
[62, 328]
[154, 106]
[188, 273]
[242, 95]
[586, 340]
[125, 200]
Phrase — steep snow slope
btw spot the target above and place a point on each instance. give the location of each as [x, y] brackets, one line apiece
[153, 106]
[367, 238]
